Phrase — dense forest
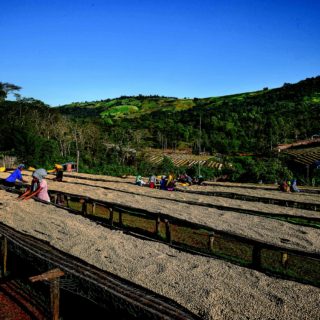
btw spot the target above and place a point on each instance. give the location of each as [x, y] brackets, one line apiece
[103, 131]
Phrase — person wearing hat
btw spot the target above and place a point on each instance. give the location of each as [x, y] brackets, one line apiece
[15, 175]
[58, 169]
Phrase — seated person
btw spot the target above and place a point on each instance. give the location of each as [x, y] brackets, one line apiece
[163, 183]
[293, 187]
[170, 182]
[189, 179]
[284, 186]
[139, 181]
[152, 181]
[182, 178]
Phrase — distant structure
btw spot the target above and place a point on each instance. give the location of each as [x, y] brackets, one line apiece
[304, 155]
[314, 139]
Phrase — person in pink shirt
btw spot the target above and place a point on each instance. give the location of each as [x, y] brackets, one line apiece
[39, 187]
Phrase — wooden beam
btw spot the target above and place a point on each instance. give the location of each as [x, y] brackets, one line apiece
[50, 275]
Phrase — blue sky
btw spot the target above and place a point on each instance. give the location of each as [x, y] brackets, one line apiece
[66, 51]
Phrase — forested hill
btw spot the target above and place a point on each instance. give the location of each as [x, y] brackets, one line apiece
[243, 123]
[246, 122]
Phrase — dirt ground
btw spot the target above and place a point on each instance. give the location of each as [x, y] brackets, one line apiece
[209, 287]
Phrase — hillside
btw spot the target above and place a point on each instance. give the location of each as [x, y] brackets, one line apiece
[245, 122]
[137, 106]
[248, 125]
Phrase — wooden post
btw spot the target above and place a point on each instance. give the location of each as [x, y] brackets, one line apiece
[52, 276]
[78, 157]
[120, 218]
[60, 199]
[256, 257]
[84, 207]
[210, 241]
[4, 256]
[55, 298]
[111, 217]
[284, 259]
[168, 231]
[93, 208]
[157, 231]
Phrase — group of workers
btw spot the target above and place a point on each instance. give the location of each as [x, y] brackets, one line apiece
[289, 186]
[39, 186]
[168, 182]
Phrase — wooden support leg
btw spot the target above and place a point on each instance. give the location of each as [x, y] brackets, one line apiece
[111, 217]
[157, 231]
[210, 242]
[60, 199]
[120, 219]
[84, 207]
[284, 259]
[4, 256]
[54, 277]
[256, 257]
[168, 231]
[55, 298]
